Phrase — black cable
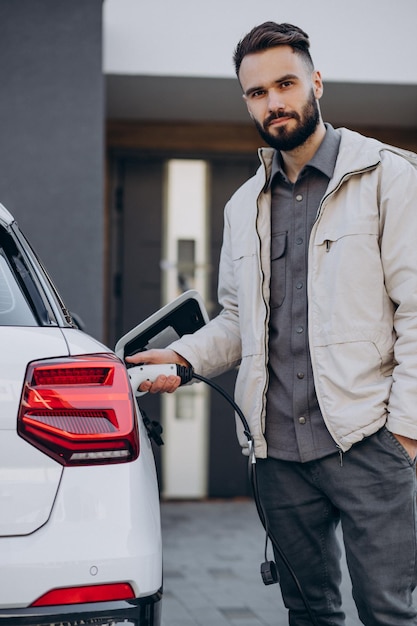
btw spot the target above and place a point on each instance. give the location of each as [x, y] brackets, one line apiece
[253, 479]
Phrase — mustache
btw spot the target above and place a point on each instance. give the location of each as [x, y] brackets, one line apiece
[276, 115]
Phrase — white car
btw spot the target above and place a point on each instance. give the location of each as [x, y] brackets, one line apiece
[80, 538]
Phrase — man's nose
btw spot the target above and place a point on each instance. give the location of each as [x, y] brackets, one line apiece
[275, 102]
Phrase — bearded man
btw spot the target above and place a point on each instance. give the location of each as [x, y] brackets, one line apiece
[318, 287]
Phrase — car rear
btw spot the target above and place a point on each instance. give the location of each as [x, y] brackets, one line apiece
[79, 511]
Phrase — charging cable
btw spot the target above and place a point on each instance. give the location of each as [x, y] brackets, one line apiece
[269, 572]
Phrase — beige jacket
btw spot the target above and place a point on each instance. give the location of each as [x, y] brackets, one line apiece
[362, 296]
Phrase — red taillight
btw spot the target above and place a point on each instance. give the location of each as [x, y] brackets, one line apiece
[91, 593]
[80, 410]
[73, 375]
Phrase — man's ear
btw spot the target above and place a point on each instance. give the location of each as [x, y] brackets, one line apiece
[317, 84]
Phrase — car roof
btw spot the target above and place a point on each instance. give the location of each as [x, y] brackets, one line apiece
[6, 218]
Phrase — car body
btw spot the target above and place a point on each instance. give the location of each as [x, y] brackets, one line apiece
[80, 538]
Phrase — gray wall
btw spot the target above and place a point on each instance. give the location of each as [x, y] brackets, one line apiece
[51, 141]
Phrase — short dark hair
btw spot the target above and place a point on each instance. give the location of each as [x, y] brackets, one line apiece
[271, 35]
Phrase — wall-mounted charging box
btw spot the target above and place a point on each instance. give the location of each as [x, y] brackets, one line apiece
[182, 316]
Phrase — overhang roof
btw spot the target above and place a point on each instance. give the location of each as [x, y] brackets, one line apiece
[219, 99]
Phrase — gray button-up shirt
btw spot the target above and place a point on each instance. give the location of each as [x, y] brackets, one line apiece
[295, 430]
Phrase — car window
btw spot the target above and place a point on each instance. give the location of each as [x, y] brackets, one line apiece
[14, 309]
[22, 301]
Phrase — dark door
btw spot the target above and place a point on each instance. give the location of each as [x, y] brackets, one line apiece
[136, 236]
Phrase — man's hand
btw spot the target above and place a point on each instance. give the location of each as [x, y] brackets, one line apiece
[409, 444]
[163, 384]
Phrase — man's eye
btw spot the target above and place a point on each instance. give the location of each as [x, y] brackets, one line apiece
[257, 94]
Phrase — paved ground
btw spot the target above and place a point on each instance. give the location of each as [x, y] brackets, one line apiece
[212, 554]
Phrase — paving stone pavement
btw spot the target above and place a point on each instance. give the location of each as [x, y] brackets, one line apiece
[212, 554]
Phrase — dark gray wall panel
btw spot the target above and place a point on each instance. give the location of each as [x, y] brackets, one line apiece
[51, 147]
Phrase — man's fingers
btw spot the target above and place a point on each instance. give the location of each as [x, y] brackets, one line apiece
[155, 356]
[163, 384]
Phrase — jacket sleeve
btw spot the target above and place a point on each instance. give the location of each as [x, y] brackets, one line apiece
[216, 347]
[398, 214]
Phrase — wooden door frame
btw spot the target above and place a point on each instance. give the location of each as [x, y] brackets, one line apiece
[185, 137]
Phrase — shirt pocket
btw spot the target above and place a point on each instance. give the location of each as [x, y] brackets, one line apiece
[278, 269]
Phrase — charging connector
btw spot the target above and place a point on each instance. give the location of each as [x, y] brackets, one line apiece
[139, 373]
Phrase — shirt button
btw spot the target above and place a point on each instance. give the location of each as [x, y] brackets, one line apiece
[300, 375]
[300, 329]
[299, 240]
[302, 420]
[299, 285]
[299, 197]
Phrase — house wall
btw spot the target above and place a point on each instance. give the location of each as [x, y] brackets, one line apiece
[51, 148]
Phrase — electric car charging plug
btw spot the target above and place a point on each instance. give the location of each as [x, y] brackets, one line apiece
[139, 373]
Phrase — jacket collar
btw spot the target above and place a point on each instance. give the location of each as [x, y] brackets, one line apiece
[356, 153]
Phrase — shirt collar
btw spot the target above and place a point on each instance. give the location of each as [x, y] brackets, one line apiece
[323, 160]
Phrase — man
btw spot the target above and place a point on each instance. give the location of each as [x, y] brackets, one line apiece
[318, 284]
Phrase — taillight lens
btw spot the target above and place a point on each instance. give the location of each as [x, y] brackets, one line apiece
[90, 593]
[80, 410]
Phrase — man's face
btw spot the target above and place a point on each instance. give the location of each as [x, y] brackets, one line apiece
[282, 95]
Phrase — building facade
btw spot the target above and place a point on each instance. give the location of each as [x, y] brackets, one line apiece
[123, 135]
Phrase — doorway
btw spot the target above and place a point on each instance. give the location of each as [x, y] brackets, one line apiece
[138, 270]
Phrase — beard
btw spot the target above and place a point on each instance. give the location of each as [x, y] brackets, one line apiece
[284, 139]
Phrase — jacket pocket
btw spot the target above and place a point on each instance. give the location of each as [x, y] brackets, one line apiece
[278, 269]
[331, 233]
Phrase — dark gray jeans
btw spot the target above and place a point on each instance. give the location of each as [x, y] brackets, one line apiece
[371, 491]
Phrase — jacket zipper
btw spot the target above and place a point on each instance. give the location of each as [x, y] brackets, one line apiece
[266, 305]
